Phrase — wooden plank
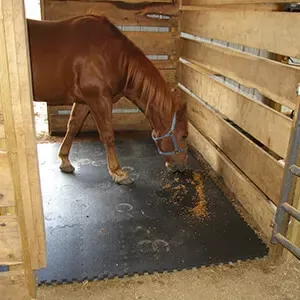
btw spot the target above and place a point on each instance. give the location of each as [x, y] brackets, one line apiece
[7, 195]
[254, 7]
[275, 80]
[266, 125]
[2, 130]
[21, 143]
[257, 164]
[121, 122]
[118, 13]
[152, 43]
[250, 197]
[228, 2]
[13, 285]
[276, 32]
[125, 1]
[10, 242]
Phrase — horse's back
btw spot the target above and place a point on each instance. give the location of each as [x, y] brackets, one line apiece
[56, 46]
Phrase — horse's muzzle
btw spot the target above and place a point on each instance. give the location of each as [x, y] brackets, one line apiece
[172, 167]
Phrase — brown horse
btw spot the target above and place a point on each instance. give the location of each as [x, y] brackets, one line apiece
[86, 61]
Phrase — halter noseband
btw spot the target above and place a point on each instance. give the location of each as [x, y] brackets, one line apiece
[172, 136]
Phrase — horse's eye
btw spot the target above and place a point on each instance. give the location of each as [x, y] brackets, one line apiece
[184, 137]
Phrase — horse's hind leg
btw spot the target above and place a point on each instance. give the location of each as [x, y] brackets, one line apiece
[103, 118]
[78, 115]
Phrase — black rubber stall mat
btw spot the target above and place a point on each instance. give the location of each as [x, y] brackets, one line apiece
[97, 229]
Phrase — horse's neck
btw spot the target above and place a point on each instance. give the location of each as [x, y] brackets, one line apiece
[159, 116]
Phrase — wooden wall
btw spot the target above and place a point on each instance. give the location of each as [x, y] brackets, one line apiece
[152, 26]
[22, 235]
[242, 139]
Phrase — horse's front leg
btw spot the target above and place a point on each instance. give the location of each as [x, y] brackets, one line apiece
[103, 118]
[78, 115]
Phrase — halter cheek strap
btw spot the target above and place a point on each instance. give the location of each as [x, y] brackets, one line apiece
[170, 134]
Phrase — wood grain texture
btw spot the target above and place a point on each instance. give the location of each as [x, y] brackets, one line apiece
[13, 285]
[275, 80]
[257, 29]
[230, 2]
[7, 195]
[10, 241]
[16, 97]
[266, 125]
[261, 168]
[250, 197]
[121, 122]
[118, 13]
[2, 130]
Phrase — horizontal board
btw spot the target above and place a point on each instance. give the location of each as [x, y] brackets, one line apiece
[152, 43]
[275, 80]
[7, 195]
[266, 125]
[2, 129]
[250, 197]
[118, 13]
[226, 2]
[3, 144]
[276, 32]
[13, 285]
[257, 164]
[121, 122]
[10, 241]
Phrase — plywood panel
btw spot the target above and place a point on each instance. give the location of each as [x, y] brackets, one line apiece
[275, 80]
[118, 13]
[276, 32]
[161, 43]
[266, 125]
[257, 164]
[13, 286]
[2, 131]
[226, 2]
[121, 121]
[251, 198]
[7, 195]
[10, 241]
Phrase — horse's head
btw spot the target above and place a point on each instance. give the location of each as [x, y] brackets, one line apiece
[173, 144]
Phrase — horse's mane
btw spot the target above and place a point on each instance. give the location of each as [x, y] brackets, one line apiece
[153, 86]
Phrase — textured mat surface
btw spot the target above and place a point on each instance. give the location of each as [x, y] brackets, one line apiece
[97, 229]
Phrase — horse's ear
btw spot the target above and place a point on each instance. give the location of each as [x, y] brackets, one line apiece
[182, 111]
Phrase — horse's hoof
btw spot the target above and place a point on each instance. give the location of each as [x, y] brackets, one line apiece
[121, 177]
[125, 181]
[67, 169]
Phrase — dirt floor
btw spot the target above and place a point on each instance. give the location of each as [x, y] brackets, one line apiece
[245, 280]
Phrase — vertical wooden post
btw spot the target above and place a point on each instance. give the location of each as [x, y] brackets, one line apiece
[19, 154]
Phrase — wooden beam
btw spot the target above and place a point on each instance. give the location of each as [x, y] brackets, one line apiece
[277, 32]
[7, 195]
[230, 2]
[10, 242]
[250, 197]
[16, 95]
[273, 79]
[153, 43]
[13, 285]
[118, 13]
[121, 122]
[266, 125]
[2, 130]
[261, 168]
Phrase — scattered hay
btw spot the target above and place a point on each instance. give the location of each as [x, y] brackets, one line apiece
[194, 206]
